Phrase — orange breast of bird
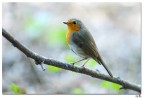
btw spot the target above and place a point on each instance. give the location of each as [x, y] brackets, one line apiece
[68, 36]
[71, 29]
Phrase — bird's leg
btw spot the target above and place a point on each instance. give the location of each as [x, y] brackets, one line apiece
[85, 63]
[78, 61]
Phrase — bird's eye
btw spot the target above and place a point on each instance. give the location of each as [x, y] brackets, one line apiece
[74, 22]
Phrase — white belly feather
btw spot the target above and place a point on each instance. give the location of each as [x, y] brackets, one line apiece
[77, 50]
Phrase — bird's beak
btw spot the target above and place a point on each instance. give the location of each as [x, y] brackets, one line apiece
[65, 22]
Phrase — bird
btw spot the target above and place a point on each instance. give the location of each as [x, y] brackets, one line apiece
[82, 43]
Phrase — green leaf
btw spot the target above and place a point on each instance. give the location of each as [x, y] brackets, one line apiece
[69, 58]
[77, 91]
[56, 36]
[91, 63]
[33, 28]
[16, 89]
[110, 85]
[52, 69]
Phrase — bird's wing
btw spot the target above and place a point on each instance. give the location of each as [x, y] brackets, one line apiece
[85, 41]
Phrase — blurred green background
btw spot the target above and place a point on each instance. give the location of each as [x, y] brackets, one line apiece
[116, 28]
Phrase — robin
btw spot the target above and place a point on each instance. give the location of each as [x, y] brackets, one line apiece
[82, 43]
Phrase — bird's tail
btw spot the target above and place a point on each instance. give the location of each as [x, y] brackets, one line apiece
[107, 69]
[100, 61]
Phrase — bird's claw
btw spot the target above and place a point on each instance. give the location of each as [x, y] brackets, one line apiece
[83, 67]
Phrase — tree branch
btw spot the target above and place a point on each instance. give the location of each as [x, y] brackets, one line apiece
[40, 59]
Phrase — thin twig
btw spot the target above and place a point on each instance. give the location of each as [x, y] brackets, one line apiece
[40, 59]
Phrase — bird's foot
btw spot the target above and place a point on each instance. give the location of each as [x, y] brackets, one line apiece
[83, 67]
